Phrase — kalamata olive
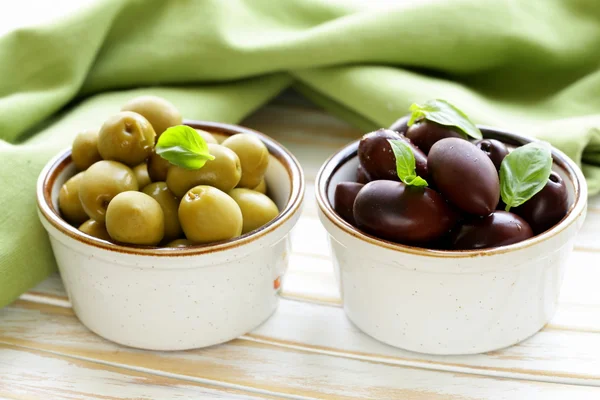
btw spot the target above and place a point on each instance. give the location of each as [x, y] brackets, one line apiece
[362, 176]
[501, 205]
[400, 213]
[343, 201]
[425, 134]
[547, 207]
[377, 158]
[400, 125]
[495, 150]
[464, 175]
[500, 228]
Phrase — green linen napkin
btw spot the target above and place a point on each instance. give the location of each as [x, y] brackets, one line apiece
[524, 65]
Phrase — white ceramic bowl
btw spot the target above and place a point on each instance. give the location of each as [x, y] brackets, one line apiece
[449, 302]
[175, 299]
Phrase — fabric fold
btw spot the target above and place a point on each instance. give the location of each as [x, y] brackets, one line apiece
[528, 66]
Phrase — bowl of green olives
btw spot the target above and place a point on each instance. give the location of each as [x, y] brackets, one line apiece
[447, 237]
[170, 234]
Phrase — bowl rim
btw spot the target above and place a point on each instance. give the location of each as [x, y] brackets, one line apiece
[350, 151]
[56, 165]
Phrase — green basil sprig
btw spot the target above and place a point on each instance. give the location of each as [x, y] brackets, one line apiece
[181, 145]
[524, 172]
[405, 164]
[446, 114]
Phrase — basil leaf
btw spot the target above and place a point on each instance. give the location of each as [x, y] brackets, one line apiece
[181, 145]
[405, 164]
[524, 172]
[416, 181]
[444, 113]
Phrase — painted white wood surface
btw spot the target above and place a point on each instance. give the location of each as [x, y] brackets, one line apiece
[308, 348]
[262, 367]
[33, 374]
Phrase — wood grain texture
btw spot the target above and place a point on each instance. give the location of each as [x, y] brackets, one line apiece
[255, 366]
[33, 374]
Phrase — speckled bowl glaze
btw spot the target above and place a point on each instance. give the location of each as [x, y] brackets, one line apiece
[176, 299]
[449, 302]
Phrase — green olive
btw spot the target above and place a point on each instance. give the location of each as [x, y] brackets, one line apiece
[157, 167]
[135, 218]
[84, 151]
[219, 137]
[180, 243]
[95, 229]
[169, 204]
[100, 183]
[126, 137]
[208, 137]
[254, 157]
[261, 187]
[223, 172]
[141, 175]
[159, 112]
[208, 214]
[257, 208]
[69, 203]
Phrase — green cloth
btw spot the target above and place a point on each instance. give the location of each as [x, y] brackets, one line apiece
[527, 65]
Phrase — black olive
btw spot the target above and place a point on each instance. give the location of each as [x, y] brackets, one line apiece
[400, 213]
[547, 207]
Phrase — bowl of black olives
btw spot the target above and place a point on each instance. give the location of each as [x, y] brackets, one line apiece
[170, 234]
[447, 237]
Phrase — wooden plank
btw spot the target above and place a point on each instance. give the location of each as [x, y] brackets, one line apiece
[310, 278]
[33, 374]
[588, 238]
[594, 203]
[551, 355]
[258, 366]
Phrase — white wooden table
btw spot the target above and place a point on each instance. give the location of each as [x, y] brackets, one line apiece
[308, 349]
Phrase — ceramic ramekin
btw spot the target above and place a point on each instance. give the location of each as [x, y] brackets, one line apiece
[449, 302]
[175, 299]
